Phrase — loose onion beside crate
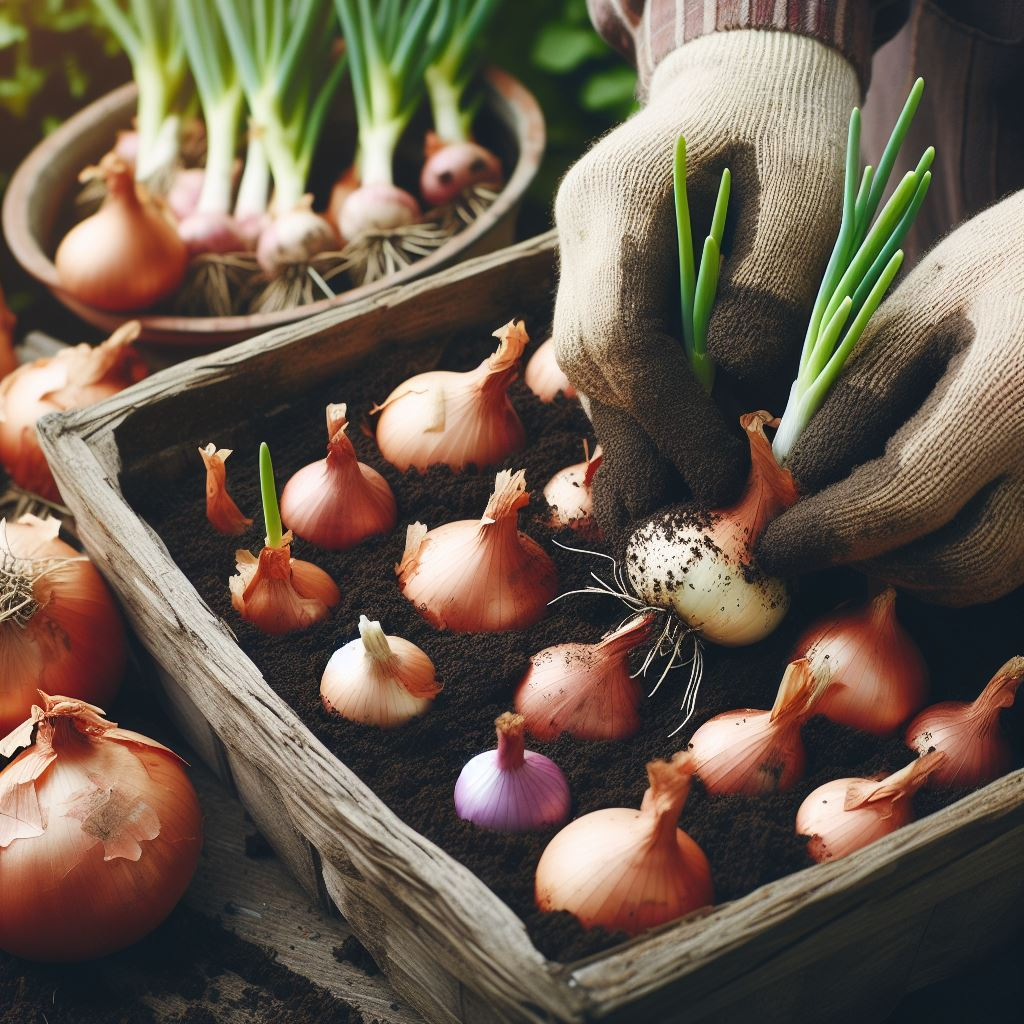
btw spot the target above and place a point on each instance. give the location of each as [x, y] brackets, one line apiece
[826, 943]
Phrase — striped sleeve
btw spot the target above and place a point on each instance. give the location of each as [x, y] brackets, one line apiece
[645, 31]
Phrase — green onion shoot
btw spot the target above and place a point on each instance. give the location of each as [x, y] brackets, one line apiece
[268, 492]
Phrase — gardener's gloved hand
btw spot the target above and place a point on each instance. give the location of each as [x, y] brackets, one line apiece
[917, 456]
[774, 108]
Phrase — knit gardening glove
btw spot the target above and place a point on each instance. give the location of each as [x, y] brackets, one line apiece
[774, 108]
[917, 456]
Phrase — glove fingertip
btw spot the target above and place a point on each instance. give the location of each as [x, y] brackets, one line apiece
[795, 544]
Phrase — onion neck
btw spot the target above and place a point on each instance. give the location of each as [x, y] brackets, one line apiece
[627, 637]
[511, 753]
[769, 490]
[450, 124]
[375, 642]
[222, 129]
[882, 609]
[999, 693]
[900, 785]
[254, 188]
[665, 797]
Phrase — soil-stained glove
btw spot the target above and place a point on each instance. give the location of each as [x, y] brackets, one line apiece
[917, 456]
[774, 108]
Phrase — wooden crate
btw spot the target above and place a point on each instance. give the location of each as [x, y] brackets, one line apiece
[840, 941]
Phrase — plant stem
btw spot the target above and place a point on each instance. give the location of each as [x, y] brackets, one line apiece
[268, 491]
[254, 188]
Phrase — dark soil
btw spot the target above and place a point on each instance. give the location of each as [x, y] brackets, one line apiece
[414, 769]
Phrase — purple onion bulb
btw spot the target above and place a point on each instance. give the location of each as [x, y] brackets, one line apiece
[512, 789]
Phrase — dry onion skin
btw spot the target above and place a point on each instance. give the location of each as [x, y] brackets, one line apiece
[756, 753]
[700, 566]
[848, 814]
[544, 377]
[221, 511]
[126, 256]
[379, 679]
[585, 690]
[72, 379]
[456, 419]
[570, 493]
[626, 870]
[969, 733]
[877, 675]
[60, 630]
[338, 502]
[480, 576]
[100, 837]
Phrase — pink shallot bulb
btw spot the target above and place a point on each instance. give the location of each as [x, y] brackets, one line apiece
[969, 733]
[211, 232]
[376, 209]
[456, 419]
[378, 679]
[585, 690]
[183, 196]
[512, 789]
[625, 870]
[451, 168]
[294, 237]
[848, 814]
[544, 377]
[480, 576]
[752, 752]
[570, 493]
[338, 502]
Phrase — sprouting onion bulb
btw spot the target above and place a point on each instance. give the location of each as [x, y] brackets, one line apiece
[570, 493]
[275, 592]
[969, 734]
[127, 255]
[72, 379]
[585, 690]
[379, 679]
[477, 576]
[338, 502]
[626, 870]
[221, 511]
[104, 838]
[512, 789]
[456, 419]
[60, 630]
[877, 676]
[759, 752]
[700, 564]
[848, 814]
[544, 377]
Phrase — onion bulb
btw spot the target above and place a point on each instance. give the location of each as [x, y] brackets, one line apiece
[479, 576]
[344, 185]
[183, 196]
[60, 630]
[752, 752]
[699, 564]
[968, 733]
[456, 419]
[292, 237]
[376, 209]
[72, 379]
[452, 167]
[570, 493]
[512, 789]
[544, 377]
[337, 502]
[280, 594]
[585, 690]
[877, 676]
[127, 255]
[8, 359]
[626, 870]
[104, 838]
[222, 512]
[378, 679]
[848, 814]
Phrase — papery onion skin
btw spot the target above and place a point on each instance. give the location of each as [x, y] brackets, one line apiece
[379, 679]
[512, 789]
[107, 838]
[126, 256]
[279, 594]
[456, 419]
[585, 690]
[752, 753]
[221, 511]
[626, 870]
[451, 168]
[73, 378]
[544, 377]
[846, 815]
[570, 493]
[71, 638]
[338, 502]
[977, 749]
[700, 565]
[480, 576]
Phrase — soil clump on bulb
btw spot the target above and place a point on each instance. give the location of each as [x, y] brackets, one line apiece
[749, 841]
